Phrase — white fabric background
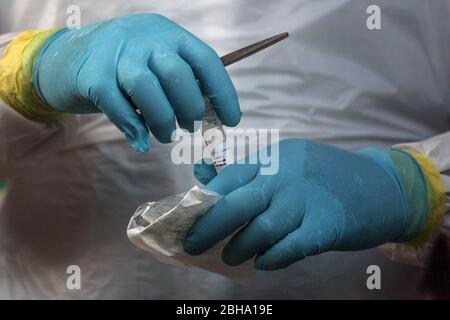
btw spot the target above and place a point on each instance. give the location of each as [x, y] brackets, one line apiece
[75, 185]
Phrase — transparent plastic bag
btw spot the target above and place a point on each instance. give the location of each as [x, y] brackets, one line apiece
[160, 228]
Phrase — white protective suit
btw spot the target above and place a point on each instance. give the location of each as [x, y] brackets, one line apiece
[74, 186]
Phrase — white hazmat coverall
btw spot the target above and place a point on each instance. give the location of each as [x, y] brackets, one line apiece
[73, 186]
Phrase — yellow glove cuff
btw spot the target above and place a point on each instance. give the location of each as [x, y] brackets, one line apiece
[16, 85]
[435, 194]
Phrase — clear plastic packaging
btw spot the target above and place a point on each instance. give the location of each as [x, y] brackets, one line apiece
[161, 227]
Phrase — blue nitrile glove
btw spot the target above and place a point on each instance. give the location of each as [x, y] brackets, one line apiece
[322, 198]
[144, 61]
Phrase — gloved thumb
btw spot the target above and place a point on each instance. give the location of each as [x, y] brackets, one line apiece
[204, 172]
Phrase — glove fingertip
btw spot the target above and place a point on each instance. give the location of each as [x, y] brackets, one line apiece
[140, 144]
[141, 147]
[230, 259]
[204, 173]
[191, 246]
[233, 120]
[231, 114]
[165, 137]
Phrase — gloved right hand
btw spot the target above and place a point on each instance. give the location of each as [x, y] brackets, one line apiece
[141, 61]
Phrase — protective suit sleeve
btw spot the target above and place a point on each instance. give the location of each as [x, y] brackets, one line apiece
[23, 141]
[5, 39]
[16, 83]
[433, 157]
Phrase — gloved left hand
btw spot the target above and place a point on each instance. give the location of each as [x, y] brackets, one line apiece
[322, 198]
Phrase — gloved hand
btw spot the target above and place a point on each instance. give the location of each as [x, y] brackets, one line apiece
[144, 61]
[322, 198]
